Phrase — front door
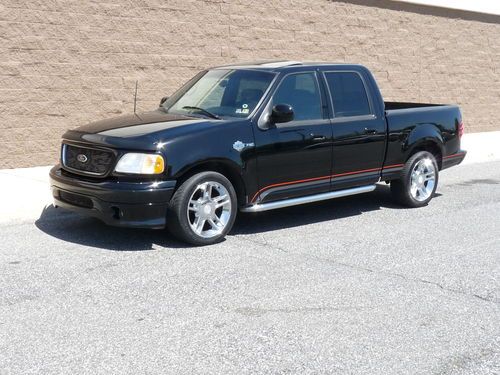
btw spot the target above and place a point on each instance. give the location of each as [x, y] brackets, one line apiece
[294, 158]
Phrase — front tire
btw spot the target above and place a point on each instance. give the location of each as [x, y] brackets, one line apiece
[418, 182]
[203, 209]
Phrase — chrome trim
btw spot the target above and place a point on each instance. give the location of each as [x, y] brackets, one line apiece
[63, 154]
[308, 199]
[335, 120]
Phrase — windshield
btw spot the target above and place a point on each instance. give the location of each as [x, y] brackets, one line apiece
[220, 93]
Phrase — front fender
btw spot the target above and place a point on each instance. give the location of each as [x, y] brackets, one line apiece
[222, 163]
[216, 148]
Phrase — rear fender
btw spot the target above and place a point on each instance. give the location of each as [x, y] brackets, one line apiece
[423, 137]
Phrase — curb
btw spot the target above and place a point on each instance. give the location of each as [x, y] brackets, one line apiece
[25, 193]
[481, 147]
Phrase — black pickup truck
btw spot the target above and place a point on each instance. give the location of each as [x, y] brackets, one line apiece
[254, 137]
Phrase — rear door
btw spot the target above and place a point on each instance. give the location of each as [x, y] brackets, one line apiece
[358, 133]
[294, 158]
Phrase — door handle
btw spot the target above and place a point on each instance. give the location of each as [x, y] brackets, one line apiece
[317, 138]
[370, 131]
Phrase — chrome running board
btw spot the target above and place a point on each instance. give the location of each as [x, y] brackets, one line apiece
[259, 207]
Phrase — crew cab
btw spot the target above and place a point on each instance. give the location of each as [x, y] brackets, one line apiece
[254, 137]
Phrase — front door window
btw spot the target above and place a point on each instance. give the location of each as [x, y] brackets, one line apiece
[301, 91]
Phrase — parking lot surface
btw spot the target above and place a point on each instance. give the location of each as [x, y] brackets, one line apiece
[356, 285]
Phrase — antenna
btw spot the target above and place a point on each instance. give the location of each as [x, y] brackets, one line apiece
[135, 96]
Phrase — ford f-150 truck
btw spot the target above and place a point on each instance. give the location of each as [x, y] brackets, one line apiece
[254, 137]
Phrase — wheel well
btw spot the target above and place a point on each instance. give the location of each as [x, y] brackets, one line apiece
[431, 147]
[230, 173]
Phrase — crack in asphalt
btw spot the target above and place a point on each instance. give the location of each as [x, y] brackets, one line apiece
[263, 243]
[383, 273]
[257, 311]
[419, 280]
[406, 278]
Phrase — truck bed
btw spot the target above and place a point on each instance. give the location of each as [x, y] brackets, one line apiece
[407, 105]
[409, 122]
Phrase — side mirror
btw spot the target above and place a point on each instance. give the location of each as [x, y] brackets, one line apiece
[163, 100]
[282, 113]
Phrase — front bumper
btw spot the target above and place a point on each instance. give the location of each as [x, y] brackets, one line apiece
[118, 203]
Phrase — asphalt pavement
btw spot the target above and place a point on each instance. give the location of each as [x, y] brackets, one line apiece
[356, 285]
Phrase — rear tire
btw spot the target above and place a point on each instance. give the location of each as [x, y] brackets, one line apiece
[418, 182]
[203, 209]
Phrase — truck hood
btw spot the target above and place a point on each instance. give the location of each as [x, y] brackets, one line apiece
[133, 123]
[137, 131]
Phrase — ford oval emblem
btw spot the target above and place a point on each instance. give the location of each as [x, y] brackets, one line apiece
[82, 158]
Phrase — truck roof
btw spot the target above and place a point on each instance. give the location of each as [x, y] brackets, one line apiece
[279, 65]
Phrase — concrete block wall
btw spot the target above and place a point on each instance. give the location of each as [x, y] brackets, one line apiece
[66, 63]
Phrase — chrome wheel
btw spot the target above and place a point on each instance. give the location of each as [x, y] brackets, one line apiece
[209, 209]
[422, 179]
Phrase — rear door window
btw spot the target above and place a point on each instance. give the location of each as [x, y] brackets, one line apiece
[348, 94]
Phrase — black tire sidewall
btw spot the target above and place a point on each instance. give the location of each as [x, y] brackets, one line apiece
[179, 203]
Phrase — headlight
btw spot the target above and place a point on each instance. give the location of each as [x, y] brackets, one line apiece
[140, 164]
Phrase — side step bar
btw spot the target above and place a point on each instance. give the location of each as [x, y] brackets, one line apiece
[259, 207]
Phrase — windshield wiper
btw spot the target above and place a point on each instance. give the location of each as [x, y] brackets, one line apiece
[209, 114]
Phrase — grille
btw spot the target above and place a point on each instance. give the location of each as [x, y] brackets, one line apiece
[87, 160]
[75, 199]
